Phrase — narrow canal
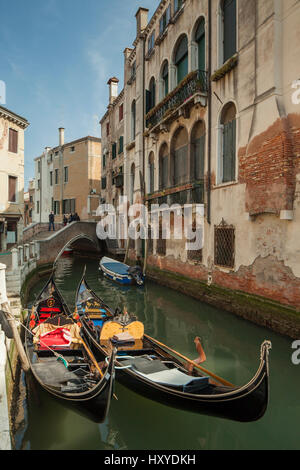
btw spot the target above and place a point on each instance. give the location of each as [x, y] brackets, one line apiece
[232, 346]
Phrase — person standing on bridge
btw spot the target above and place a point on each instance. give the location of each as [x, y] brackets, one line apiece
[51, 221]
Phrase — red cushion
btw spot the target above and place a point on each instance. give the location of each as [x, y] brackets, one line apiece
[45, 309]
[59, 337]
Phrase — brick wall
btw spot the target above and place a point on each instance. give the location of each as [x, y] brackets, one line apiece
[267, 167]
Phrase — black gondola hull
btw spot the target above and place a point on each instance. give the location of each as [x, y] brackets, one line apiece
[93, 402]
[242, 404]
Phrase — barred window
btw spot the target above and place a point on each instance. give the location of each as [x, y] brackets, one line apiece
[225, 245]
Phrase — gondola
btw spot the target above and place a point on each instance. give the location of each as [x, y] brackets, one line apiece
[121, 272]
[148, 367]
[61, 361]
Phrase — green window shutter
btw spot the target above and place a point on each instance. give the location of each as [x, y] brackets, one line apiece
[164, 172]
[229, 151]
[199, 155]
[200, 39]
[182, 69]
[180, 163]
[229, 18]
[114, 150]
[148, 101]
[121, 145]
[151, 177]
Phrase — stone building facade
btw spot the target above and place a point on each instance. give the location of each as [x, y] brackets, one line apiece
[212, 117]
[29, 197]
[67, 179]
[12, 127]
[112, 136]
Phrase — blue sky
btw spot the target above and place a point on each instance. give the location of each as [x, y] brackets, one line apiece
[56, 57]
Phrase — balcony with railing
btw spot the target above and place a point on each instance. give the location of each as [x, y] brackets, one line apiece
[194, 85]
[191, 193]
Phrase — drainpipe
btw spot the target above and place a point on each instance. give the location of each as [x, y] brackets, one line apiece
[144, 109]
[209, 114]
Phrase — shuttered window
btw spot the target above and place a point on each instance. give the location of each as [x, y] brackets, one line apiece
[66, 174]
[177, 5]
[151, 173]
[12, 189]
[151, 103]
[69, 206]
[181, 59]
[114, 150]
[164, 172]
[229, 151]
[121, 112]
[180, 165]
[199, 155]
[165, 77]
[103, 183]
[200, 39]
[13, 141]
[121, 144]
[229, 27]
[133, 121]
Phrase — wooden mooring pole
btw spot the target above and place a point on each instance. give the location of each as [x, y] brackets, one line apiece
[5, 307]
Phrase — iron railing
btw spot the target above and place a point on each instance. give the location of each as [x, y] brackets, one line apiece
[193, 195]
[195, 82]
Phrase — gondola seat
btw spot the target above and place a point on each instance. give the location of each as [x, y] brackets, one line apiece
[156, 371]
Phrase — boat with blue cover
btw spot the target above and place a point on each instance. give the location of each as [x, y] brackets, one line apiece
[121, 272]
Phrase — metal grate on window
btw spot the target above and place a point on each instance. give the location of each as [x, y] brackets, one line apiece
[224, 245]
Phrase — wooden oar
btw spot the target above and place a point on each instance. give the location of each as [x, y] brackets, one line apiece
[219, 379]
[95, 362]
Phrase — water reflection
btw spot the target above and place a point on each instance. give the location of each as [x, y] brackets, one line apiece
[232, 346]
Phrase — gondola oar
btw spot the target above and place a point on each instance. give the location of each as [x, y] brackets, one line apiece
[95, 363]
[219, 379]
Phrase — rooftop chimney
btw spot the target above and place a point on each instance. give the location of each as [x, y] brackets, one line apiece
[61, 131]
[141, 20]
[113, 89]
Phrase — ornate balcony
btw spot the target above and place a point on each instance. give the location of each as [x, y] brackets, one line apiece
[191, 90]
[191, 193]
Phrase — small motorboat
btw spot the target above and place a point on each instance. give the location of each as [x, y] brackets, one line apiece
[61, 361]
[152, 369]
[121, 272]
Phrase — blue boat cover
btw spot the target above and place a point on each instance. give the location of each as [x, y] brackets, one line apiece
[117, 268]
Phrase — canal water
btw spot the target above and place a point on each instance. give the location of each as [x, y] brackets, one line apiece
[232, 347]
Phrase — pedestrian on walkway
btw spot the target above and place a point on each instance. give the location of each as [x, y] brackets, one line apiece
[51, 221]
[65, 221]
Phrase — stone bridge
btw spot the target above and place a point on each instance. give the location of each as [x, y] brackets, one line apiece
[79, 236]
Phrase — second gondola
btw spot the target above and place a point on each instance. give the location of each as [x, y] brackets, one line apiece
[150, 368]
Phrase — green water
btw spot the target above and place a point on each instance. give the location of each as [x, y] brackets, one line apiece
[232, 346]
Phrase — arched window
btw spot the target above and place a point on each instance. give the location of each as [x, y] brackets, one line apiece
[198, 151]
[200, 40]
[228, 26]
[165, 79]
[163, 167]
[228, 143]
[179, 154]
[133, 120]
[181, 59]
[151, 173]
[132, 177]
